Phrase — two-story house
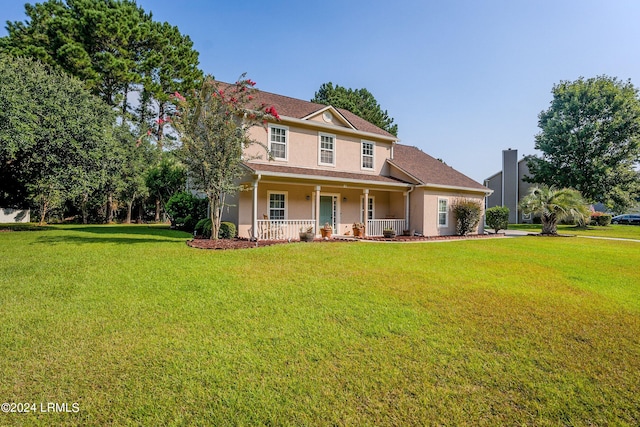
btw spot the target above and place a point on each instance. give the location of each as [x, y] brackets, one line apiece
[331, 166]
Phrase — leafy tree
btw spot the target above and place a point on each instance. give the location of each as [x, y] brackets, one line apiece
[164, 180]
[554, 205]
[214, 126]
[359, 101]
[55, 137]
[137, 156]
[497, 218]
[468, 213]
[114, 47]
[590, 141]
[169, 66]
[185, 210]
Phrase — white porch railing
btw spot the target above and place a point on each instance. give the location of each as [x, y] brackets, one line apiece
[283, 229]
[375, 226]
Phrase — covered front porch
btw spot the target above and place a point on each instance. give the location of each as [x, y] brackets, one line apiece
[275, 208]
[283, 229]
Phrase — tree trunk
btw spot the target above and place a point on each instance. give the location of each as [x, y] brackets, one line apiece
[549, 224]
[109, 216]
[85, 215]
[160, 133]
[216, 203]
[129, 206]
[141, 211]
[43, 211]
[125, 102]
[157, 210]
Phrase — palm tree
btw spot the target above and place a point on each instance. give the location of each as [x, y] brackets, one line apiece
[554, 205]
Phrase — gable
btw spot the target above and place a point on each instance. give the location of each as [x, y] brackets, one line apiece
[329, 116]
[298, 109]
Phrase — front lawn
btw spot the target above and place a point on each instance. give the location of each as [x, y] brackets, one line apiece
[137, 328]
[615, 231]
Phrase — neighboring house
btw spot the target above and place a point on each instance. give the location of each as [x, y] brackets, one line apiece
[508, 186]
[331, 166]
[14, 215]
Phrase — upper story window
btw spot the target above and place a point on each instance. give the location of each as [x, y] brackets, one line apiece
[278, 138]
[327, 150]
[443, 213]
[366, 155]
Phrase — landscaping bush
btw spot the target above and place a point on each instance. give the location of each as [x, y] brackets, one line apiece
[184, 209]
[600, 218]
[497, 218]
[203, 228]
[467, 213]
[227, 230]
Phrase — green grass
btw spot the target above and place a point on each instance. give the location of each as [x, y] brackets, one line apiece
[140, 329]
[615, 231]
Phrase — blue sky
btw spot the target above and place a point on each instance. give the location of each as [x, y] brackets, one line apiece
[462, 79]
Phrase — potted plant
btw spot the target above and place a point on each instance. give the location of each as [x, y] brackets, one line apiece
[389, 233]
[358, 229]
[326, 231]
[307, 234]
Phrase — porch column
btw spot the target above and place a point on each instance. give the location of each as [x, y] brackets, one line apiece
[254, 212]
[365, 213]
[406, 210]
[317, 218]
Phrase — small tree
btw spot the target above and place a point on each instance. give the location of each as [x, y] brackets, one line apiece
[164, 180]
[497, 218]
[185, 210]
[554, 205]
[214, 128]
[468, 213]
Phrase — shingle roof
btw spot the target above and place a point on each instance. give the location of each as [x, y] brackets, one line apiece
[430, 170]
[322, 173]
[298, 109]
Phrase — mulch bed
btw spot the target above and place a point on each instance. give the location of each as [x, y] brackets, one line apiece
[231, 243]
[222, 244]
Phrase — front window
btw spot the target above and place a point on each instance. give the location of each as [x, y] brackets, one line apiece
[367, 155]
[327, 150]
[367, 209]
[278, 142]
[277, 205]
[443, 213]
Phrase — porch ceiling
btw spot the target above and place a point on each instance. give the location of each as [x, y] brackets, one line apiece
[319, 176]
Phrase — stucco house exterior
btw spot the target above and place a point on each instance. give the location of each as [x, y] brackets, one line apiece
[331, 166]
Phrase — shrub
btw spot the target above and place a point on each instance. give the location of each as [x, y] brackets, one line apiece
[468, 213]
[600, 218]
[227, 230]
[498, 218]
[203, 228]
[184, 209]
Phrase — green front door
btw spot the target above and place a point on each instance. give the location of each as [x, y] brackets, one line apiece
[327, 211]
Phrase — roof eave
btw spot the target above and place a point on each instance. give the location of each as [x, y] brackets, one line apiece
[329, 178]
[333, 128]
[418, 181]
[487, 191]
